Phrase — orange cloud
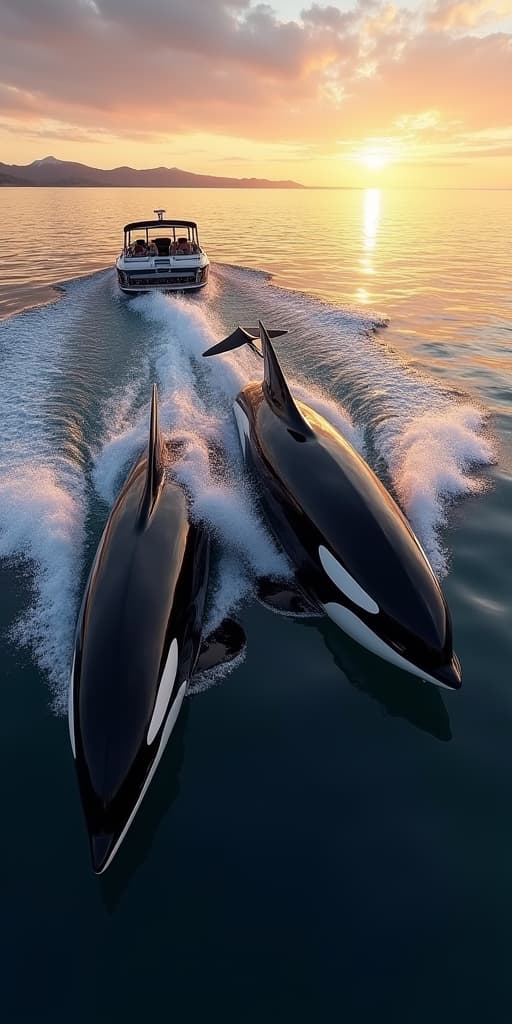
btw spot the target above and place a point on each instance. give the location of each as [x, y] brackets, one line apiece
[92, 70]
[450, 14]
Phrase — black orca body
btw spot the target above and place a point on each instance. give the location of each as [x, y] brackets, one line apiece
[137, 642]
[353, 549]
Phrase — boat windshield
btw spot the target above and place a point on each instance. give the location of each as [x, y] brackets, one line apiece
[162, 240]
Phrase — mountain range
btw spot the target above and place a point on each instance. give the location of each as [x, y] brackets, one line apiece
[67, 174]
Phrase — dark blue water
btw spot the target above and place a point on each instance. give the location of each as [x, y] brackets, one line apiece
[326, 838]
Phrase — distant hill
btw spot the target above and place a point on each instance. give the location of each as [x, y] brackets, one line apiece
[9, 179]
[66, 174]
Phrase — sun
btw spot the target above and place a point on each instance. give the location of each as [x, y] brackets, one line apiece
[374, 159]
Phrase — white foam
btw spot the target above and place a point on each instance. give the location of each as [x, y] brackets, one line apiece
[116, 456]
[433, 459]
[41, 490]
[332, 412]
[41, 522]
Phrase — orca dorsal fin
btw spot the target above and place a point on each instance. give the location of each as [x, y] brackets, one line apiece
[276, 390]
[155, 464]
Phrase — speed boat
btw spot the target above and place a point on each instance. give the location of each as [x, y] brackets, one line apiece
[162, 255]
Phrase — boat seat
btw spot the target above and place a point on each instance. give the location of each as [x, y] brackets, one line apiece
[162, 245]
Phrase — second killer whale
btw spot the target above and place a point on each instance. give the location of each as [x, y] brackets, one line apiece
[353, 550]
[138, 643]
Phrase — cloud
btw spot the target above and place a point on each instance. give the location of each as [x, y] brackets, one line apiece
[467, 79]
[418, 122]
[235, 68]
[17, 102]
[463, 14]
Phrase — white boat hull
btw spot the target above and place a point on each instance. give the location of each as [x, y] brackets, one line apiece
[162, 274]
[163, 288]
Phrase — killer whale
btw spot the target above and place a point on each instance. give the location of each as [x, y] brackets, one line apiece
[354, 552]
[137, 643]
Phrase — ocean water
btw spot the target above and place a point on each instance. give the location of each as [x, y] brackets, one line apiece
[327, 838]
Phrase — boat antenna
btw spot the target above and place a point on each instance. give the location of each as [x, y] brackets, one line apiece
[160, 213]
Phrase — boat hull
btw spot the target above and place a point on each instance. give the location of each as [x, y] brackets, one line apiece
[167, 278]
[163, 288]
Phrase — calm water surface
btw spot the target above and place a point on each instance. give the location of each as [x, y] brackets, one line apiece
[326, 839]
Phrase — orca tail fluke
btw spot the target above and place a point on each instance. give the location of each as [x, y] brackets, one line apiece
[241, 336]
[155, 465]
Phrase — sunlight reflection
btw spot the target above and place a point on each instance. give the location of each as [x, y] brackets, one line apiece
[371, 217]
[366, 265]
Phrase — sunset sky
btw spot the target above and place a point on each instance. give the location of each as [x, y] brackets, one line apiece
[357, 92]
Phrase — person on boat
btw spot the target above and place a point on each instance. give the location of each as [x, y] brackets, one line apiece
[183, 247]
[153, 248]
[139, 248]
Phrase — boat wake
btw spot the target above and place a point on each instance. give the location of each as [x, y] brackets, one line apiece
[42, 506]
[74, 425]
